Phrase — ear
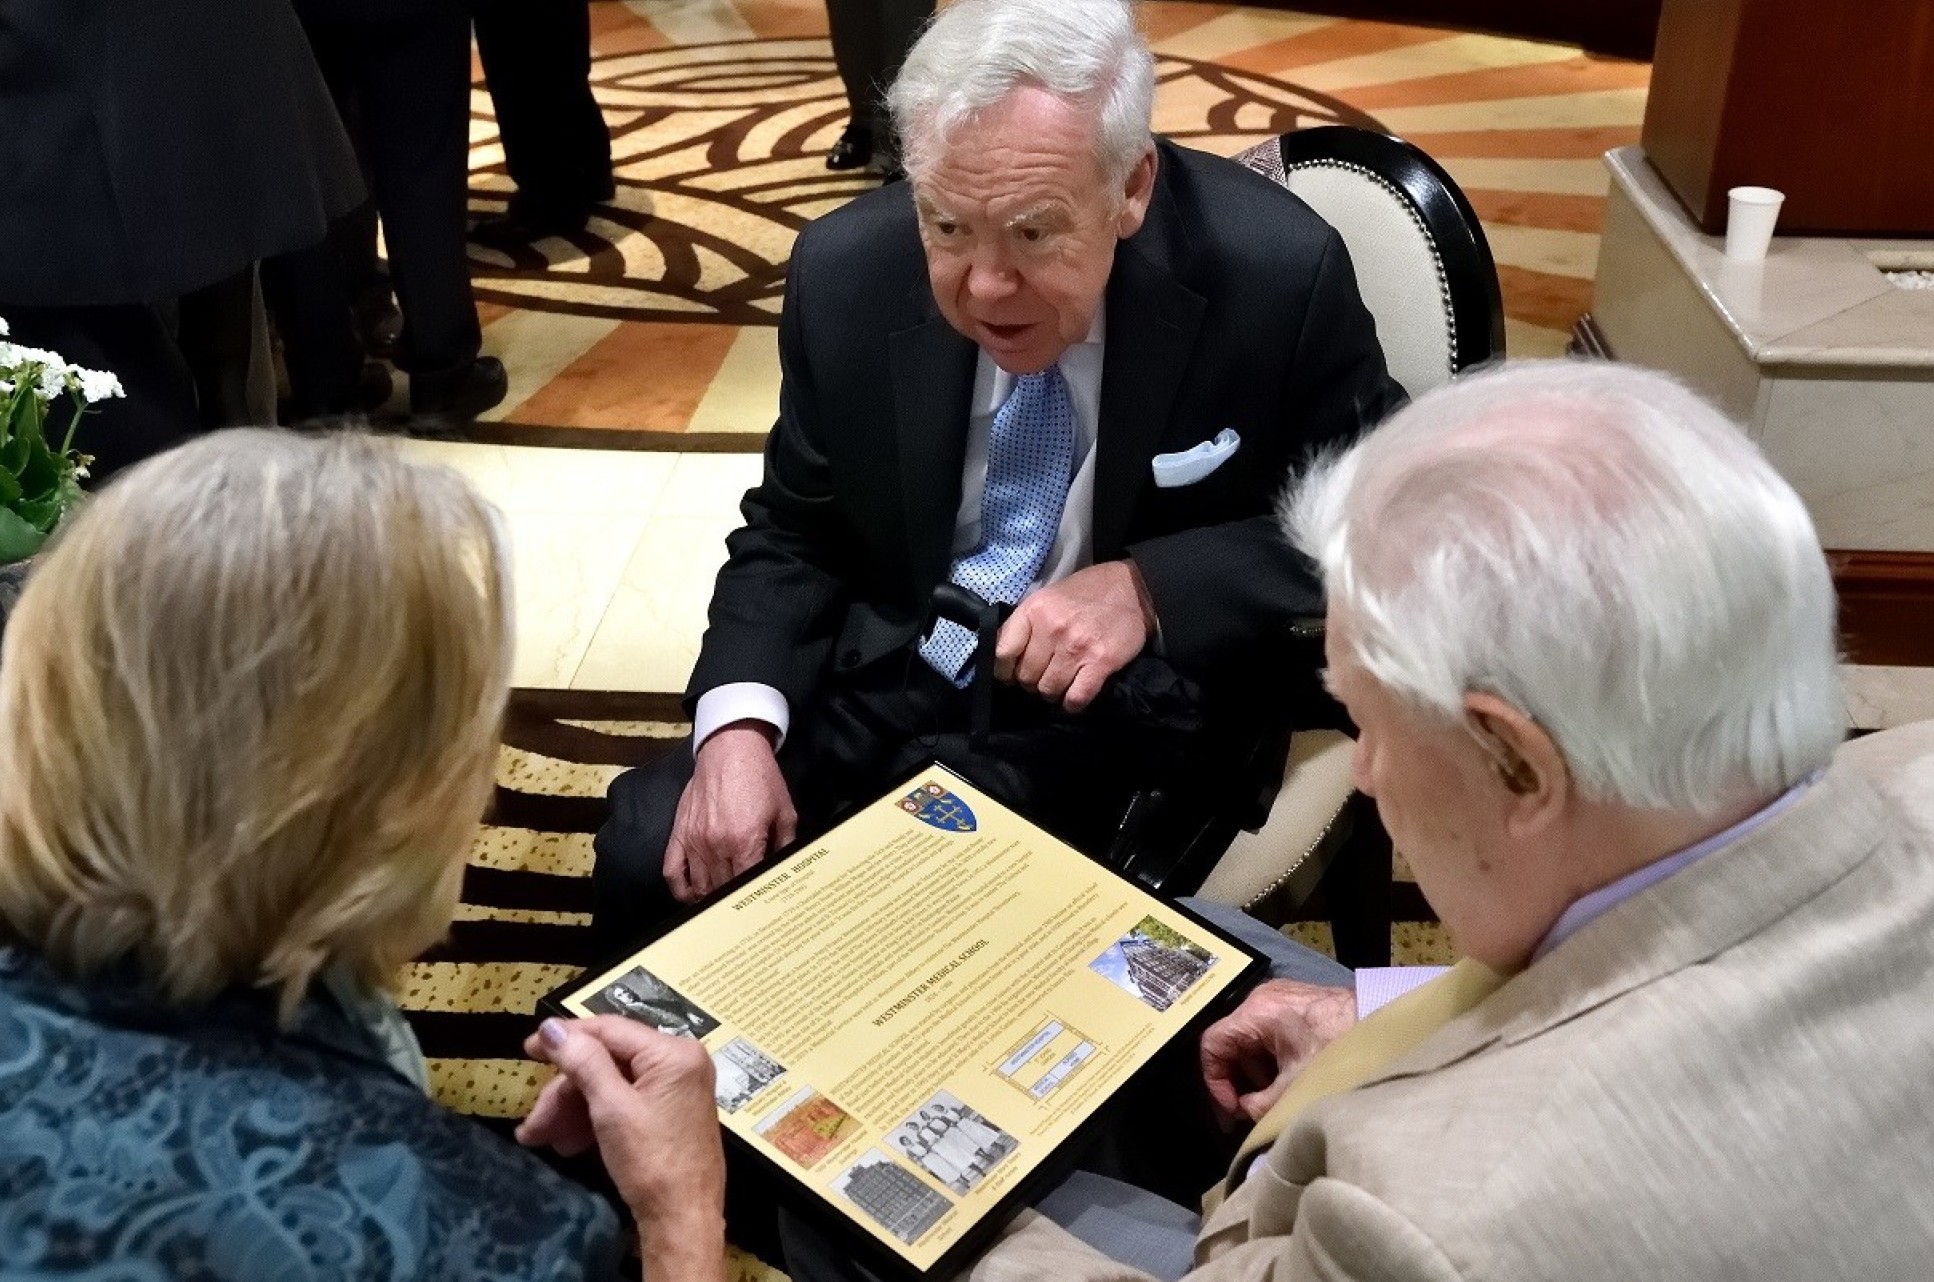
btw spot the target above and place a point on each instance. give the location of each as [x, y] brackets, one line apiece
[1136, 193]
[1526, 760]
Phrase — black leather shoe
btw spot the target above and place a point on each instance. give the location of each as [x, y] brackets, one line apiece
[445, 397]
[854, 148]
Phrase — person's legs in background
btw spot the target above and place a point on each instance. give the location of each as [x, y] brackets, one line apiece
[856, 37]
[413, 81]
[557, 148]
[318, 295]
[870, 41]
[227, 351]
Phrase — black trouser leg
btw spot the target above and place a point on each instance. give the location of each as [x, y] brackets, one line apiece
[900, 25]
[131, 342]
[216, 335]
[308, 293]
[414, 85]
[537, 63]
[854, 26]
[870, 41]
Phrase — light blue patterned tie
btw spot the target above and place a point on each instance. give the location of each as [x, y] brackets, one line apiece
[1030, 456]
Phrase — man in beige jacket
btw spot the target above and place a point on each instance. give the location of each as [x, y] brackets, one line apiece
[1587, 636]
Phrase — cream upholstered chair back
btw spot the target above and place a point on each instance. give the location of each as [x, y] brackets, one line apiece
[1425, 272]
[1422, 264]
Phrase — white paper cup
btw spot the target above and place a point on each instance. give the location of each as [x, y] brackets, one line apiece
[1750, 215]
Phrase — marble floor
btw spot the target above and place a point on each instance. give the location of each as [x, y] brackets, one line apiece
[653, 328]
[616, 551]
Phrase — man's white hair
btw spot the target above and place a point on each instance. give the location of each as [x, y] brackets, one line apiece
[1605, 551]
[975, 52]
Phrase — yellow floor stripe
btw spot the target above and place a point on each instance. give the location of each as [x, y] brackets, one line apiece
[537, 346]
[1567, 253]
[524, 771]
[693, 22]
[487, 1087]
[1525, 341]
[1439, 57]
[522, 916]
[1235, 32]
[1562, 177]
[744, 396]
[482, 986]
[561, 854]
[1548, 111]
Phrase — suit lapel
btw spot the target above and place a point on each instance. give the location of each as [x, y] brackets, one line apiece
[1152, 322]
[933, 378]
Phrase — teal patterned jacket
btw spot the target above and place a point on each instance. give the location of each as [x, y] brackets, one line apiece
[138, 1145]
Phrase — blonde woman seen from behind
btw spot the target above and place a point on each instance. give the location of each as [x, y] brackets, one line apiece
[251, 702]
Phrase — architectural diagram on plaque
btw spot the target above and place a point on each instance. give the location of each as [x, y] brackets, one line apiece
[1045, 1059]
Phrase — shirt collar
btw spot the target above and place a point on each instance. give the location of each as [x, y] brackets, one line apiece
[1602, 900]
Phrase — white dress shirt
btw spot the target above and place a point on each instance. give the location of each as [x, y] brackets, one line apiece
[1074, 541]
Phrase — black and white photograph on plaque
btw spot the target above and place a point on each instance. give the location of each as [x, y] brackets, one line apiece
[638, 994]
[741, 1070]
[1154, 962]
[952, 1143]
[898, 1200]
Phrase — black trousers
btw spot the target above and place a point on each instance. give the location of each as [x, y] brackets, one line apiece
[136, 343]
[1073, 774]
[870, 41]
[405, 81]
[537, 62]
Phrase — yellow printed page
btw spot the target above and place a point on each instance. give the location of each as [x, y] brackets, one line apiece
[914, 1012]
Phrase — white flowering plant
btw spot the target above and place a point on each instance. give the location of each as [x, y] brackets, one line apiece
[39, 483]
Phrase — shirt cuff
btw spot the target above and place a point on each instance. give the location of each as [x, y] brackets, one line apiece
[739, 701]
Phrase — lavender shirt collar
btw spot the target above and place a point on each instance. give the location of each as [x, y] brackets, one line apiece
[1605, 898]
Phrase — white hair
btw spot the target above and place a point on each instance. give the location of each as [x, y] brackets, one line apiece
[1605, 551]
[976, 52]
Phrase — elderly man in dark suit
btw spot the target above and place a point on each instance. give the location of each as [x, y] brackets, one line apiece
[1068, 366]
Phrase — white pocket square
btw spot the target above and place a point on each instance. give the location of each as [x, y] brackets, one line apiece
[1186, 467]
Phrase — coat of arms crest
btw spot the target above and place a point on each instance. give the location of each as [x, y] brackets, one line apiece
[933, 805]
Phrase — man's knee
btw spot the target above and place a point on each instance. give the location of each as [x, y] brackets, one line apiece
[628, 879]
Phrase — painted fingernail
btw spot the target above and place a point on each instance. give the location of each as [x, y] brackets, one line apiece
[553, 1033]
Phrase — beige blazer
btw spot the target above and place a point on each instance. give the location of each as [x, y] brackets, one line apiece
[1728, 1076]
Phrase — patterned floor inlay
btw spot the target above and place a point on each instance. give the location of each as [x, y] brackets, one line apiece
[654, 329]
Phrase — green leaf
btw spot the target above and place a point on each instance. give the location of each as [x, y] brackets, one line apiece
[18, 539]
[42, 514]
[10, 491]
[13, 455]
[39, 473]
[29, 414]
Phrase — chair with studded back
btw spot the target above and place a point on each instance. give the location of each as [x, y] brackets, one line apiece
[1425, 271]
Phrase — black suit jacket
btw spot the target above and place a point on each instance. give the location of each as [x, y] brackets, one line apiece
[1234, 307]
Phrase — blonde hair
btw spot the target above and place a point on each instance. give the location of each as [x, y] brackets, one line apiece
[251, 702]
